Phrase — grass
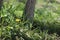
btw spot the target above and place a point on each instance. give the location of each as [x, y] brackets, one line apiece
[46, 24]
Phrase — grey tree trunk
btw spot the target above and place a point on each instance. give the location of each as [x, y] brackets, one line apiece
[1, 3]
[29, 10]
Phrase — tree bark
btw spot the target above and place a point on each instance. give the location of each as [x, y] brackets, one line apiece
[29, 10]
[1, 3]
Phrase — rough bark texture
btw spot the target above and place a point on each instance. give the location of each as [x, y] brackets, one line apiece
[1, 3]
[29, 10]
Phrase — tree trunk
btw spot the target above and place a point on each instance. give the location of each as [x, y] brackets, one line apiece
[28, 14]
[1, 3]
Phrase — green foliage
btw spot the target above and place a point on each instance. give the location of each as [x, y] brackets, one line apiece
[48, 17]
[46, 20]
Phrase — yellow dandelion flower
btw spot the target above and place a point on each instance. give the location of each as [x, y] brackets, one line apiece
[17, 20]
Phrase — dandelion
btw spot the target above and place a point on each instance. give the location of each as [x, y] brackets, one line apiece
[17, 20]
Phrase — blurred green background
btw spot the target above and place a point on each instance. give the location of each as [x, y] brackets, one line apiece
[46, 25]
